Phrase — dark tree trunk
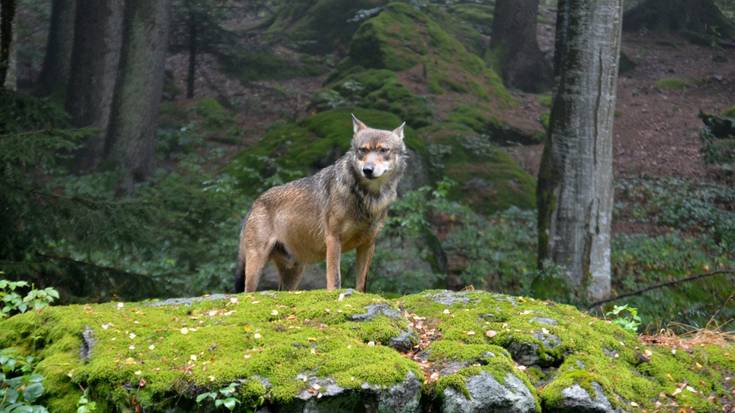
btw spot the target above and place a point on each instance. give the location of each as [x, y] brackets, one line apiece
[98, 28]
[193, 39]
[515, 46]
[695, 16]
[575, 191]
[7, 47]
[134, 120]
[57, 61]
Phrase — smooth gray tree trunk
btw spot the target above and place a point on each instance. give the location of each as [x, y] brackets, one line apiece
[94, 70]
[131, 136]
[54, 76]
[575, 187]
[514, 44]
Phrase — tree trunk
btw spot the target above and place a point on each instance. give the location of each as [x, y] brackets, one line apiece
[7, 45]
[98, 28]
[193, 39]
[132, 132]
[515, 46]
[695, 16]
[575, 186]
[54, 75]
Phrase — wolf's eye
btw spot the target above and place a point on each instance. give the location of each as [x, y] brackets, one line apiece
[363, 150]
[384, 150]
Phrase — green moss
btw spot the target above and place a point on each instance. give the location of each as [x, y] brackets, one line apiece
[276, 337]
[402, 37]
[162, 357]
[730, 113]
[377, 89]
[588, 351]
[320, 26]
[214, 114]
[489, 179]
[298, 149]
[673, 83]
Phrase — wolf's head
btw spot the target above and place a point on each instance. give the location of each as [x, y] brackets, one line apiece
[378, 154]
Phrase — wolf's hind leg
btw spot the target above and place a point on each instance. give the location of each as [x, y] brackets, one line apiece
[255, 260]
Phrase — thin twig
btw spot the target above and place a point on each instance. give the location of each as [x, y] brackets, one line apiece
[695, 277]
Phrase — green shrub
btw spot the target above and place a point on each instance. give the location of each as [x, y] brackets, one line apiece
[11, 301]
[20, 389]
[214, 114]
[626, 317]
[683, 204]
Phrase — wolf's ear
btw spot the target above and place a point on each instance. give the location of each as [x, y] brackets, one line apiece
[399, 130]
[357, 124]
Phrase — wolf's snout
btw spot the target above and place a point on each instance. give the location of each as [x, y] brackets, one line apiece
[368, 170]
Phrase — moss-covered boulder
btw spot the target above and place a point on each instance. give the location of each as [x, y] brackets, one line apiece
[323, 25]
[403, 37]
[487, 177]
[344, 351]
[376, 89]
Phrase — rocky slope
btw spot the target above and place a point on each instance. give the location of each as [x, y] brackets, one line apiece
[344, 351]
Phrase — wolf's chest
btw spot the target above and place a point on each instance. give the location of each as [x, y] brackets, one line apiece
[354, 233]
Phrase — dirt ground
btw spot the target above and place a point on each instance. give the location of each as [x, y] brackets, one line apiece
[656, 128]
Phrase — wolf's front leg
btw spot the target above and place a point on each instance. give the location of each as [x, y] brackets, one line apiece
[362, 264]
[334, 250]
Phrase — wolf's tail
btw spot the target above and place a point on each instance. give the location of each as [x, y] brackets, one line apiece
[240, 274]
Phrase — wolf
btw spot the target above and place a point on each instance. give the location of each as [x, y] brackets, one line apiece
[317, 218]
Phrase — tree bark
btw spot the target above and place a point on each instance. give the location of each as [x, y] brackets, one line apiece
[98, 28]
[575, 186]
[54, 75]
[193, 39]
[132, 132]
[7, 44]
[515, 46]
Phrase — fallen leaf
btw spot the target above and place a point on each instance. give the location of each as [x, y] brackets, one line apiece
[491, 333]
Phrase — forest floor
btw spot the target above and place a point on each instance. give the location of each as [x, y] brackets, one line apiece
[656, 125]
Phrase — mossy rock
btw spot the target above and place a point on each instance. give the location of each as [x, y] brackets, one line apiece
[295, 149]
[324, 25]
[402, 37]
[376, 89]
[334, 351]
[488, 178]
[480, 119]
